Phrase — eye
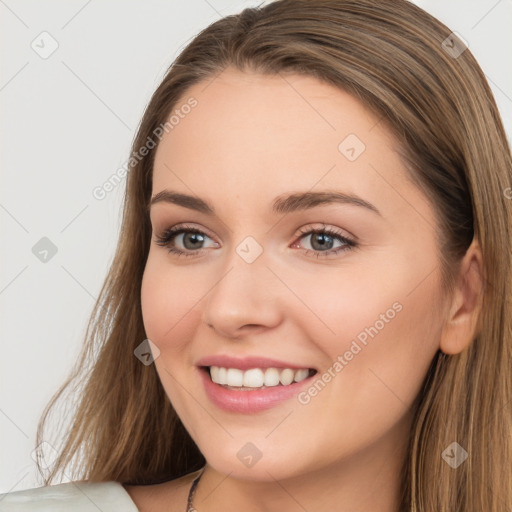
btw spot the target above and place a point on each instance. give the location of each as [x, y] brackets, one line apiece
[190, 238]
[322, 241]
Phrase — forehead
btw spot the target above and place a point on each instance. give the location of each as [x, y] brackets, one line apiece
[253, 136]
[271, 113]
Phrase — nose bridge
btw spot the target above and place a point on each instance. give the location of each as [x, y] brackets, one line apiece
[244, 293]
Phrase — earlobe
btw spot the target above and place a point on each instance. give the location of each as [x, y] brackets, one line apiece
[461, 324]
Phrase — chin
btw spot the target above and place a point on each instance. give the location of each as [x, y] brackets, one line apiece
[250, 463]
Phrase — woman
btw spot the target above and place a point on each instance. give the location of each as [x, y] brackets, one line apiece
[309, 306]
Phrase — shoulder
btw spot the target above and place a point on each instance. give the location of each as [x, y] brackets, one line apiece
[81, 496]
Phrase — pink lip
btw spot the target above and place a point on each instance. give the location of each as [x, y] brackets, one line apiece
[246, 363]
[249, 401]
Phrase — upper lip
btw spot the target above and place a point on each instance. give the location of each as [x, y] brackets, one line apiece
[246, 363]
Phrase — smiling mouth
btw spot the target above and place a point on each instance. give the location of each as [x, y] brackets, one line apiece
[256, 378]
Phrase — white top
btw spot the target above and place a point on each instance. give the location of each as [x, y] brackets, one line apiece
[79, 496]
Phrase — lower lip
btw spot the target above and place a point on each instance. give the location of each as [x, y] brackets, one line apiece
[249, 401]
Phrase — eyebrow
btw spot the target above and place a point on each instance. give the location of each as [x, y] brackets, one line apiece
[282, 204]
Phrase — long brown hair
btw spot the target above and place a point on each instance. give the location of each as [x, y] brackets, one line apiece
[395, 59]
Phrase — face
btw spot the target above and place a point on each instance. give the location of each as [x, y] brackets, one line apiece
[335, 293]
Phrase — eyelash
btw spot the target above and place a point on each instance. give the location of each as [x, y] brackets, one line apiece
[169, 234]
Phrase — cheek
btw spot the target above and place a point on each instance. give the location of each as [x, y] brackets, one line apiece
[373, 371]
[378, 332]
[170, 301]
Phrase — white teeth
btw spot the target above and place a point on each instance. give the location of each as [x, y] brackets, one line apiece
[301, 375]
[234, 377]
[214, 373]
[271, 377]
[256, 377]
[286, 376]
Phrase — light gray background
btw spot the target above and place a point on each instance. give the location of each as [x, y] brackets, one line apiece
[67, 124]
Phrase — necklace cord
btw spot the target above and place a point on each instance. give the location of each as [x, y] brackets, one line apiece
[191, 493]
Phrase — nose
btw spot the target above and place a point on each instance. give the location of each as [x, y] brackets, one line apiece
[245, 298]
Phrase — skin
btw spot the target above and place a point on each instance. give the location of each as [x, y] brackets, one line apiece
[251, 139]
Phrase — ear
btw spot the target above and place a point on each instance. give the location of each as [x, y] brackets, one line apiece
[460, 327]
